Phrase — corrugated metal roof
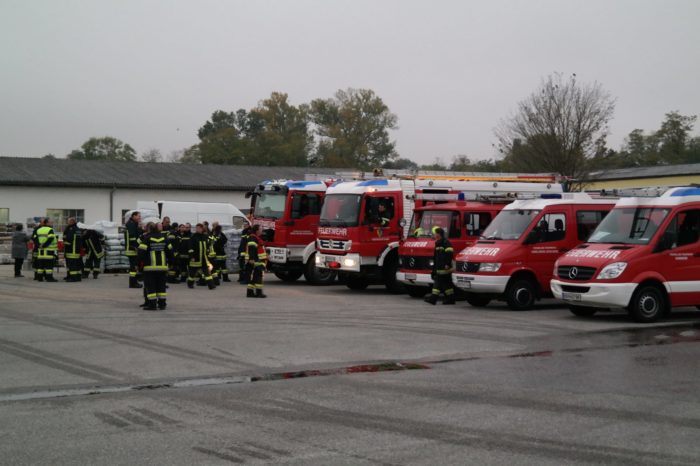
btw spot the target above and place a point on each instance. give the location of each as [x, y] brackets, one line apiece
[16, 171]
[648, 172]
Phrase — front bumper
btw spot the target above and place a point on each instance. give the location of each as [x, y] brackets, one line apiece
[598, 294]
[492, 284]
[350, 262]
[414, 278]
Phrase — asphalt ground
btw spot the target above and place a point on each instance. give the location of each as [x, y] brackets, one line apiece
[326, 375]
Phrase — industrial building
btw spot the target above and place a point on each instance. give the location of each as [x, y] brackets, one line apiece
[641, 177]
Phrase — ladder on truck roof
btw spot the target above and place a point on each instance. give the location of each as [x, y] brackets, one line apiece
[493, 191]
[436, 175]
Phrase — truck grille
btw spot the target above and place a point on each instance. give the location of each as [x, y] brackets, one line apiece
[567, 272]
[469, 267]
[416, 262]
[338, 244]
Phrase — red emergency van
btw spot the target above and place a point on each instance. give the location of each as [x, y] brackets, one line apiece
[645, 257]
[513, 260]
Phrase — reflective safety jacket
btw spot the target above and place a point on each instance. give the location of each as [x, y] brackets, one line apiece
[211, 253]
[220, 241]
[45, 242]
[132, 232]
[72, 242]
[442, 257]
[155, 252]
[93, 243]
[173, 238]
[256, 250]
[198, 250]
[243, 245]
[183, 246]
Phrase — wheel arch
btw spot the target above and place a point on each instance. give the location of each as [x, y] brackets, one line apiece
[390, 248]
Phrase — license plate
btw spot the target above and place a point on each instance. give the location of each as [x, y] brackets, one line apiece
[566, 296]
[411, 276]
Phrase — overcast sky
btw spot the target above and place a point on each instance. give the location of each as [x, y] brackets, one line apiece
[152, 72]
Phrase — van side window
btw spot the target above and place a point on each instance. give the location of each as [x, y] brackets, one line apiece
[476, 222]
[587, 221]
[551, 227]
[683, 230]
[304, 204]
[379, 210]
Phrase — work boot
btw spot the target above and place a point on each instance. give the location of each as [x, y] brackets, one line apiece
[40, 278]
[133, 283]
[217, 282]
[94, 275]
[226, 279]
[151, 306]
[86, 274]
[250, 293]
[49, 278]
[201, 282]
[36, 276]
[162, 304]
[449, 299]
[211, 284]
[432, 299]
[183, 279]
[190, 285]
[259, 293]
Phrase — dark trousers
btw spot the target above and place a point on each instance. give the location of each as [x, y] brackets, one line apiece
[133, 269]
[92, 263]
[18, 266]
[443, 284]
[183, 262]
[256, 280]
[74, 268]
[45, 266]
[154, 287]
[246, 272]
[199, 271]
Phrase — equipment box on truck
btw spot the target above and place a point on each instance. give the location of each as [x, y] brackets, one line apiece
[645, 257]
[513, 260]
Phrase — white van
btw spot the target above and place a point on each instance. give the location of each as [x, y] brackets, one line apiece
[228, 215]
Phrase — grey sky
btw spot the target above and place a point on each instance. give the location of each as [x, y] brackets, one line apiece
[140, 69]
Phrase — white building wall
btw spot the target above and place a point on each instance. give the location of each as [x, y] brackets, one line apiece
[26, 202]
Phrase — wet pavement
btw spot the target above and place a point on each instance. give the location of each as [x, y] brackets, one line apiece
[325, 375]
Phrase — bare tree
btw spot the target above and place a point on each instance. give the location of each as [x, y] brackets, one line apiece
[152, 155]
[559, 128]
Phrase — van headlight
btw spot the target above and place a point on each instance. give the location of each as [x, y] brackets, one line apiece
[489, 266]
[349, 262]
[611, 271]
[318, 259]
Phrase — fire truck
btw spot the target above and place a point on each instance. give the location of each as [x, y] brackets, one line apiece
[643, 257]
[288, 212]
[363, 221]
[514, 257]
[463, 217]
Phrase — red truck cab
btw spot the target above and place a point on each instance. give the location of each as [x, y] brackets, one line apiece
[513, 260]
[645, 257]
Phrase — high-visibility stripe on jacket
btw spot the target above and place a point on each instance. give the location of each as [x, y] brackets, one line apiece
[131, 236]
[442, 258]
[46, 242]
[72, 242]
[256, 249]
[154, 250]
[199, 246]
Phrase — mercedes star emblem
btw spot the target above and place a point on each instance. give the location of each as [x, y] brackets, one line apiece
[573, 273]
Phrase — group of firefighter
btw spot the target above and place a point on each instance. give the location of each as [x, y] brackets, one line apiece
[162, 253]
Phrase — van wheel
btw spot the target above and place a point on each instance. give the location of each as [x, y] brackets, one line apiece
[288, 275]
[648, 304]
[582, 311]
[317, 276]
[416, 291]
[521, 294]
[391, 266]
[478, 300]
[357, 282]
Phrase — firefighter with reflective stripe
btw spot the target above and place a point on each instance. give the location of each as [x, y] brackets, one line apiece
[173, 236]
[46, 248]
[94, 253]
[72, 244]
[155, 252]
[132, 232]
[257, 258]
[211, 254]
[245, 270]
[442, 269]
[219, 246]
[199, 265]
[183, 254]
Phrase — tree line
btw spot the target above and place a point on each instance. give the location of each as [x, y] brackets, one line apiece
[561, 127]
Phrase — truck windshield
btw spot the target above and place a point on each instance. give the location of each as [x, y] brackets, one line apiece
[510, 224]
[342, 210]
[270, 205]
[633, 225]
[423, 222]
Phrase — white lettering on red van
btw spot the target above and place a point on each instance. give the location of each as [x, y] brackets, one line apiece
[265, 224]
[416, 244]
[593, 254]
[333, 231]
[476, 251]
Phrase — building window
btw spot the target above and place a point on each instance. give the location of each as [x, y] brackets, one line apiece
[60, 217]
[4, 215]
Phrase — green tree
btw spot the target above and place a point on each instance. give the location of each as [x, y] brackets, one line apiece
[104, 148]
[353, 129]
[559, 128]
[437, 165]
[401, 164]
[674, 136]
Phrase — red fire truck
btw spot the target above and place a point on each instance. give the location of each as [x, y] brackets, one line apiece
[645, 257]
[288, 212]
[513, 260]
[463, 221]
[363, 221]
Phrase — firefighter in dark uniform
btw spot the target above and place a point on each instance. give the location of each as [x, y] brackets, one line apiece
[183, 254]
[132, 232]
[442, 269]
[211, 253]
[155, 252]
[257, 257]
[220, 241]
[173, 236]
[198, 259]
[72, 244]
[94, 253]
[46, 249]
[245, 270]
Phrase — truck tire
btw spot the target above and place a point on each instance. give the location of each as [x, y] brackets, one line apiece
[417, 291]
[648, 304]
[389, 269]
[356, 282]
[582, 311]
[521, 294]
[317, 276]
[288, 275]
[478, 300]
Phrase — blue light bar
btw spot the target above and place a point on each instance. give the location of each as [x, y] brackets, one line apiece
[374, 183]
[682, 192]
[460, 196]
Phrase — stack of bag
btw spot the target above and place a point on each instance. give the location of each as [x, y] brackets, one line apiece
[115, 259]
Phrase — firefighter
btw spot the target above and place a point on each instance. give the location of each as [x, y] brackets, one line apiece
[199, 265]
[211, 252]
[244, 270]
[155, 252]
[173, 235]
[46, 247]
[132, 232]
[442, 269]
[183, 257]
[220, 241]
[94, 253]
[257, 259]
[72, 244]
